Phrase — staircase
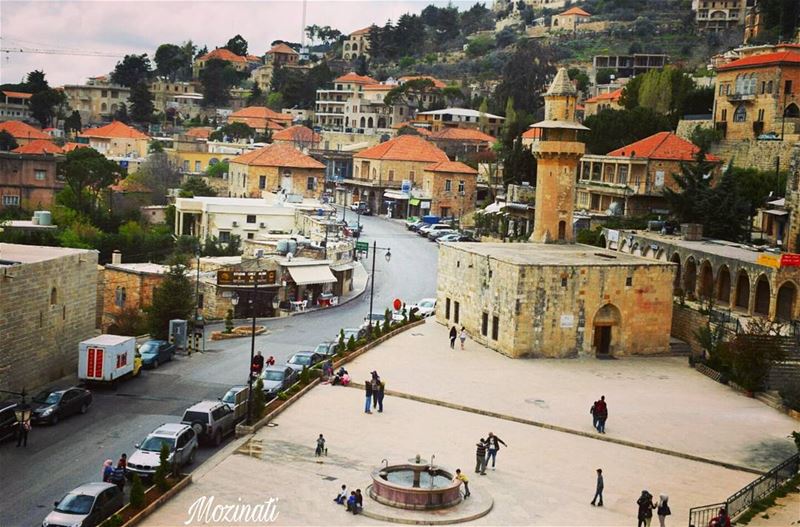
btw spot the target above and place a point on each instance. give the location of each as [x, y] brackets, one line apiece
[679, 348]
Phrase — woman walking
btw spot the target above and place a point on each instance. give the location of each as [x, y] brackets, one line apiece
[663, 509]
[646, 506]
[462, 337]
[453, 336]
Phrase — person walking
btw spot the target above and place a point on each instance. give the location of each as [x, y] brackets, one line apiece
[464, 480]
[22, 433]
[320, 446]
[480, 457]
[453, 335]
[368, 394]
[493, 444]
[593, 411]
[601, 409]
[598, 491]
[663, 509]
[462, 336]
[118, 476]
[258, 365]
[108, 470]
[646, 506]
[381, 392]
[123, 462]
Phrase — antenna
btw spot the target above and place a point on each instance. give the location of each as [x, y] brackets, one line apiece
[303, 28]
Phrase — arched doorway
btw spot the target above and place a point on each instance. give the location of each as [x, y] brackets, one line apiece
[606, 336]
[763, 296]
[676, 259]
[601, 241]
[792, 111]
[724, 285]
[562, 230]
[381, 122]
[646, 251]
[742, 299]
[637, 250]
[623, 247]
[690, 277]
[787, 298]
[706, 280]
[370, 123]
[363, 122]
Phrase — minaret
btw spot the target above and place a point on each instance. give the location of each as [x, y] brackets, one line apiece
[554, 143]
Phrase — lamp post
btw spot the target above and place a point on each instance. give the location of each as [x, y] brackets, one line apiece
[197, 298]
[388, 256]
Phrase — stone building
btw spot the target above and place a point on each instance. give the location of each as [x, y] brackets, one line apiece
[97, 100]
[569, 20]
[128, 286]
[118, 139]
[357, 44]
[47, 306]
[260, 118]
[603, 101]
[557, 298]
[718, 15]
[23, 133]
[28, 180]
[461, 143]
[15, 105]
[276, 168]
[449, 187]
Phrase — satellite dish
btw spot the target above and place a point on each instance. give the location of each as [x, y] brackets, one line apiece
[615, 209]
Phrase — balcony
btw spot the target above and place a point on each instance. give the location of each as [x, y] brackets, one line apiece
[741, 97]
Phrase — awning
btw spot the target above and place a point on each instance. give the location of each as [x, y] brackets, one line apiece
[777, 212]
[394, 194]
[312, 274]
[413, 202]
[343, 267]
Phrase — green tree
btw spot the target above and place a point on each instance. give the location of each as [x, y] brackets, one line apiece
[603, 75]
[612, 129]
[217, 169]
[237, 45]
[217, 78]
[196, 186]
[174, 62]
[73, 124]
[132, 70]
[704, 137]
[256, 95]
[726, 211]
[35, 82]
[44, 105]
[525, 74]
[694, 189]
[519, 164]
[137, 492]
[233, 132]
[341, 345]
[122, 113]
[141, 101]
[412, 93]
[163, 469]
[580, 77]
[172, 299]
[275, 101]
[479, 46]
[87, 172]
[757, 186]
[258, 400]
[7, 141]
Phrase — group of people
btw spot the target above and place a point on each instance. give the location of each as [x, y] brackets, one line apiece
[456, 334]
[647, 505]
[487, 449]
[599, 411]
[340, 377]
[354, 501]
[374, 389]
[257, 366]
[116, 475]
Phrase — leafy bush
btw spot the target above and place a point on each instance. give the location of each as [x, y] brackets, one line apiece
[305, 376]
[791, 397]
[341, 340]
[164, 466]
[259, 399]
[387, 320]
[137, 492]
[751, 362]
[283, 396]
[115, 520]
[351, 343]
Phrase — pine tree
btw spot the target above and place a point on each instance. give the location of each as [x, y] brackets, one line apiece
[141, 101]
[172, 299]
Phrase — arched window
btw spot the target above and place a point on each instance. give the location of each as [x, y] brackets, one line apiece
[370, 123]
[740, 115]
[792, 111]
[53, 296]
[787, 298]
[355, 46]
[103, 107]
[119, 296]
[751, 84]
[347, 47]
[562, 230]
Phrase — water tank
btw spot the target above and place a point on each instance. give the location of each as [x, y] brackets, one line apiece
[292, 246]
[283, 246]
[45, 218]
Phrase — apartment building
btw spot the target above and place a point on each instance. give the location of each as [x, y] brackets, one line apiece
[14, 105]
[97, 100]
[716, 15]
[357, 44]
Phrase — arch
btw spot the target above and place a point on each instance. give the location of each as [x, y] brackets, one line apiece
[363, 123]
[346, 46]
[213, 161]
[355, 46]
[636, 250]
[370, 123]
[724, 285]
[623, 247]
[792, 111]
[381, 122]
[646, 251]
[53, 296]
[787, 299]
[601, 241]
[103, 107]
[690, 276]
[661, 254]
[740, 115]
[676, 259]
[114, 108]
[347, 56]
[706, 280]
[562, 230]
[742, 297]
[763, 296]
[605, 338]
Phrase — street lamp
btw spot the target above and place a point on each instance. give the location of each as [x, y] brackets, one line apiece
[388, 257]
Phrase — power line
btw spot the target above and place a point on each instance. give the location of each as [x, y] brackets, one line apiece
[59, 52]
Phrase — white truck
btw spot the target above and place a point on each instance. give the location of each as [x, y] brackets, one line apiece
[107, 358]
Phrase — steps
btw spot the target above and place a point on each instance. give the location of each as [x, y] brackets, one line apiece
[679, 348]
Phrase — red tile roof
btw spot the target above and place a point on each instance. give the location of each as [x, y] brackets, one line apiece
[608, 96]
[355, 78]
[463, 134]
[663, 145]
[17, 94]
[436, 82]
[764, 59]
[261, 112]
[574, 11]
[69, 147]
[282, 48]
[116, 130]
[405, 148]
[362, 31]
[378, 87]
[253, 58]
[297, 133]
[421, 131]
[21, 130]
[453, 167]
[200, 132]
[278, 155]
[39, 146]
[223, 54]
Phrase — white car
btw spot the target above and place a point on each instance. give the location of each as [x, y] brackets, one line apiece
[181, 441]
[425, 307]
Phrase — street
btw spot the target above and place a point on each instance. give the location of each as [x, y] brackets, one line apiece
[59, 458]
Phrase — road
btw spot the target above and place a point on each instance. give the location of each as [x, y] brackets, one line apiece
[61, 457]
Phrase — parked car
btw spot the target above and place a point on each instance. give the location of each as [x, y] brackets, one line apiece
[414, 225]
[361, 208]
[211, 420]
[436, 234]
[155, 352]
[49, 406]
[86, 506]
[377, 320]
[425, 307]
[356, 333]
[236, 398]
[8, 420]
[278, 378]
[455, 237]
[427, 229]
[769, 136]
[327, 348]
[303, 359]
[181, 440]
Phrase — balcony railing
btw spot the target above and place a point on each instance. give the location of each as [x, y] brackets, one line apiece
[741, 96]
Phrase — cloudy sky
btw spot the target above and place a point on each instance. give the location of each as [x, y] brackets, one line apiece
[113, 27]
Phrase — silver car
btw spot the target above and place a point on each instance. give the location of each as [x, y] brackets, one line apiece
[86, 506]
[277, 379]
[181, 440]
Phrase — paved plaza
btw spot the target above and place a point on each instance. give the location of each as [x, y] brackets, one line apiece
[544, 477]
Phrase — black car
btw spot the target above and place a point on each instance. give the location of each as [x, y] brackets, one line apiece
[52, 405]
[8, 420]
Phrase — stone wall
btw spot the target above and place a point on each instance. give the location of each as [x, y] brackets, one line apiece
[46, 309]
[138, 292]
[685, 324]
[757, 154]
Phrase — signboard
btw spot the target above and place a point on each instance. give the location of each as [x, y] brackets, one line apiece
[425, 205]
[567, 321]
[769, 260]
[406, 186]
[612, 235]
[246, 277]
[659, 178]
[790, 260]
[362, 247]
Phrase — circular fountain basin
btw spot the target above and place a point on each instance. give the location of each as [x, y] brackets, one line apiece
[415, 486]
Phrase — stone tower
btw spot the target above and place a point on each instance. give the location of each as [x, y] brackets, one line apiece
[554, 143]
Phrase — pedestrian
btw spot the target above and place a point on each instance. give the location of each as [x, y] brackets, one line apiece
[381, 393]
[646, 506]
[593, 411]
[123, 462]
[342, 496]
[320, 446]
[108, 470]
[453, 335]
[359, 502]
[118, 476]
[351, 502]
[480, 457]
[376, 386]
[663, 509]
[462, 337]
[601, 409]
[493, 444]
[22, 432]
[463, 479]
[327, 369]
[722, 519]
[368, 393]
[270, 361]
[598, 492]
[258, 365]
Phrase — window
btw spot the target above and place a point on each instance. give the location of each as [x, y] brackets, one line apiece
[11, 200]
[250, 235]
[495, 327]
[197, 166]
[724, 116]
[53, 296]
[447, 184]
[787, 87]
[224, 236]
[721, 88]
[185, 165]
[103, 93]
[391, 175]
[485, 324]
[262, 182]
[119, 296]
[114, 94]
[763, 87]
[629, 281]
[310, 183]
[455, 312]
[622, 175]
[461, 186]
[769, 87]
[761, 114]
[40, 175]
[251, 218]
[740, 115]
[563, 281]
[447, 309]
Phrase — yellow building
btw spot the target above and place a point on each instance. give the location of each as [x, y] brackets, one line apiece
[603, 101]
[569, 20]
[276, 168]
[117, 139]
[357, 44]
[96, 100]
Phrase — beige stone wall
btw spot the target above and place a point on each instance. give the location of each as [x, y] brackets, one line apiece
[435, 185]
[39, 340]
[138, 292]
[756, 154]
[540, 317]
[245, 180]
[555, 185]
[390, 173]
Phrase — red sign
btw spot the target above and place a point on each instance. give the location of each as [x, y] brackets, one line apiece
[90, 362]
[94, 367]
[397, 304]
[790, 260]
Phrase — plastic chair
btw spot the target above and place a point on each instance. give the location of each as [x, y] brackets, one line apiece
[303, 305]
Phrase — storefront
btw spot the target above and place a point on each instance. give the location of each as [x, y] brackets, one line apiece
[306, 281]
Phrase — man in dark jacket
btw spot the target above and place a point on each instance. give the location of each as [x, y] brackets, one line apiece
[601, 412]
[368, 393]
[493, 444]
[258, 365]
[480, 457]
[598, 493]
[646, 506]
